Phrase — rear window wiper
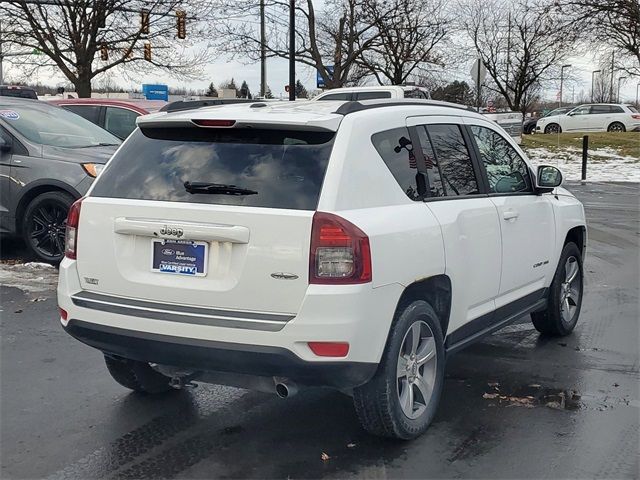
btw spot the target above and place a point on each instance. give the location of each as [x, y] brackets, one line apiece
[216, 188]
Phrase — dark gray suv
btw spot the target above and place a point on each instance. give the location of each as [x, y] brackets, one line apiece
[48, 158]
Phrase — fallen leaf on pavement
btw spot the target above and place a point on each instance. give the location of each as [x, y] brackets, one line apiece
[324, 457]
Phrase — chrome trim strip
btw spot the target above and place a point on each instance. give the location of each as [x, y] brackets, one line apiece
[183, 314]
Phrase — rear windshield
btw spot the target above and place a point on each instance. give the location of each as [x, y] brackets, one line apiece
[284, 168]
[632, 108]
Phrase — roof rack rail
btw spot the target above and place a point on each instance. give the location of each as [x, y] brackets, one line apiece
[193, 104]
[355, 106]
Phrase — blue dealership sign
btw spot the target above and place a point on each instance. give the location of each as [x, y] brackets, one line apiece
[156, 92]
[320, 80]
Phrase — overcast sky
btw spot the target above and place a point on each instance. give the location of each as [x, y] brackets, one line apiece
[277, 77]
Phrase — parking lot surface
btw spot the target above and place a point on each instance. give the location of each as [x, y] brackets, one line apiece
[516, 405]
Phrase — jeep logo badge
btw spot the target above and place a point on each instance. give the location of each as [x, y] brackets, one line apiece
[171, 231]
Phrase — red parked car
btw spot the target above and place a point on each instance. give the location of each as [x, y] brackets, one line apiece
[116, 116]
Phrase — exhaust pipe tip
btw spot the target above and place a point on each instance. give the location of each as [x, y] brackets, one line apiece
[284, 390]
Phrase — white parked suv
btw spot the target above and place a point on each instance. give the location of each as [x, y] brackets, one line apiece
[597, 117]
[281, 245]
[374, 93]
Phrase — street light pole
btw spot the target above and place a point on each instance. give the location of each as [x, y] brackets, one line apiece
[637, 87]
[561, 81]
[292, 50]
[592, 77]
[263, 53]
[619, 83]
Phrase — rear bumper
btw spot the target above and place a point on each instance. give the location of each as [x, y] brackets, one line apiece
[213, 356]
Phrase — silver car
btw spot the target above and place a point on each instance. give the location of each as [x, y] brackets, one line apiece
[48, 159]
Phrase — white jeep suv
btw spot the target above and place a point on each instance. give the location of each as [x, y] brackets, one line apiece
[352, 245]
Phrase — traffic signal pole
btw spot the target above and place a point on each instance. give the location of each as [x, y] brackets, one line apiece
[263, 53]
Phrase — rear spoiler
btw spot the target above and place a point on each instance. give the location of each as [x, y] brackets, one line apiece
[193, 104]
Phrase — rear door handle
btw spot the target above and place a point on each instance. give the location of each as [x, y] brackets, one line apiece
[510, 215]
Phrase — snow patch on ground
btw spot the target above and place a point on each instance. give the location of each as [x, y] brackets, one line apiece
[30, 277]
[604, 164]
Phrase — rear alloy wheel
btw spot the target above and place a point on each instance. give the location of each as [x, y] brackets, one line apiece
[401, 399]
[44, 224]
[553, 128]
[616, 127]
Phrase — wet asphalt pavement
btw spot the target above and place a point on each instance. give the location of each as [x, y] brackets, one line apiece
[514, 406]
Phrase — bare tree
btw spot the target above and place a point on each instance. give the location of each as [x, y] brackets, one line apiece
[407, 39]
[521, 44]
[333, 37]
[614, 23]
[85, 38]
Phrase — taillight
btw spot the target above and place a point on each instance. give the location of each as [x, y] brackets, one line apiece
[71, 234]
[63, 313]
[340, 252]
[635, 117]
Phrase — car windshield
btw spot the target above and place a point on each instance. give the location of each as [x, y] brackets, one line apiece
[48, 125]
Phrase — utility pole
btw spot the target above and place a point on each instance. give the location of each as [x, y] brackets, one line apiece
[637, 88]
[292, 50]
[613, 57]
[508, 49]
[263, 53]
[592, 81]
[1, 52]
[561, 81]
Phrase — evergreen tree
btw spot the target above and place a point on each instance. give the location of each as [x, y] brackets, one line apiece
[267, 93]
[211, 91]
[301, 92]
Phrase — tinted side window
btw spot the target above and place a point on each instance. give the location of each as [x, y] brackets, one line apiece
[453, 159]
[372, 95]
[337, 96]
[395, 148]
[596, 109]
[506, 170]
[120, 121]
[16, 147]
[90, 112]
[616, 109]
[436, 188]
[581, 111]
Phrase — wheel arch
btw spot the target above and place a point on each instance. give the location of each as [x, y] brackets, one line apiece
[436, 291]
[577, 235]
[38, 188]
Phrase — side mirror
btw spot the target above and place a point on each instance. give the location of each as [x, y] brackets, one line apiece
[548, 178]
[4, 145]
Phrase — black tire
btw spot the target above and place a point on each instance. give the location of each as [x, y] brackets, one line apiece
[44, 223]
[551, 321]
[616, 127]
[377, 403]
[137, 376]
[553, 128]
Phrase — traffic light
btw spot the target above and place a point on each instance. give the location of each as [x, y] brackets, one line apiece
[104, 52]
[182, 24]
[147, 52]
[144, 21]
